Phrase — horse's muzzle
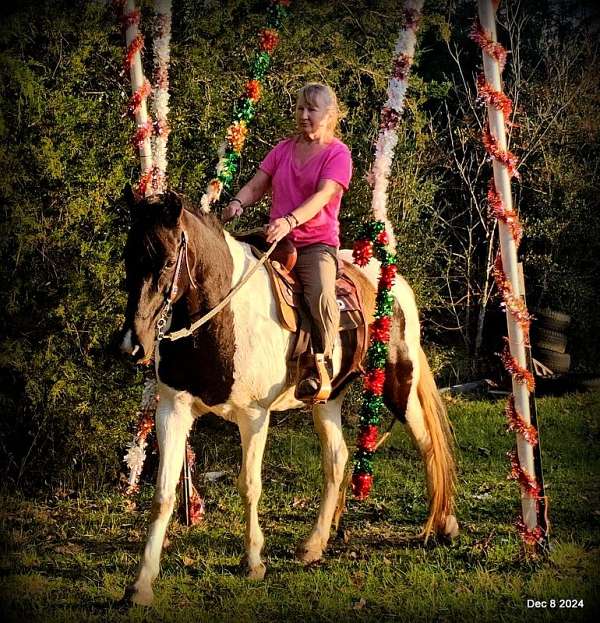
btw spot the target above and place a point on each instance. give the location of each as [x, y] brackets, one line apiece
[130, 346]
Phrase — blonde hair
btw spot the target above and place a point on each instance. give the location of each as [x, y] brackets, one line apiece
[314, 93]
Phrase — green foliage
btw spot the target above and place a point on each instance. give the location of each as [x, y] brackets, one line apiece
[65, 156]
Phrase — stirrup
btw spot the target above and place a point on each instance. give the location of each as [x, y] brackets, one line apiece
[314, 388]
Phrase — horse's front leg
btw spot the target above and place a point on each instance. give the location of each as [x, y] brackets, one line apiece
[253, 425]
[173, 421]
[334, 454]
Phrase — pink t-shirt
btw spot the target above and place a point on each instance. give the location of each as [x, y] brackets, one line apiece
[292, 185]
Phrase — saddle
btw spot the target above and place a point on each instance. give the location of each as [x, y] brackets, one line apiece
[352, 288]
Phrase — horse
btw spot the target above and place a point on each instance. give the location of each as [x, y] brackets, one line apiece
[182, 261]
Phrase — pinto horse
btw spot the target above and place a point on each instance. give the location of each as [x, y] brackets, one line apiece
[235, 366]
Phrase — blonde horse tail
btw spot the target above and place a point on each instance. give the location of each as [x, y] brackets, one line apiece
[439, 457]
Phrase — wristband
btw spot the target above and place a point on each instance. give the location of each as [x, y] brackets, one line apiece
[238, 200]
[288, 221]
[295, 219]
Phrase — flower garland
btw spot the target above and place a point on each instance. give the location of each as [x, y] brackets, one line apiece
[136, 107]
[376, 239]
[489, 96]
[160, 100]
[230, 149]
[136, 449]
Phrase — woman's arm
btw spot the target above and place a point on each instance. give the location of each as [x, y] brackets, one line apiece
[326, 190]
[250, 193]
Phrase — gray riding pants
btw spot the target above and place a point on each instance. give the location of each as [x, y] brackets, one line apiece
[316, 268]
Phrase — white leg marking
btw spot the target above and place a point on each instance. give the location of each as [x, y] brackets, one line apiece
[334, 455]
[173, 421]
[253, 425]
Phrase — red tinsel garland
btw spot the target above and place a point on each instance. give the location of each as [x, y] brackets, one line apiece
[517, 424]
[362, 252]
[269, 39]
[143, 132]
[531, 537]
[380, 329]
[367, 438]
[135, 101]
[528, 482]
[137, 45]
[252, 89]
[374, 380]
[130, 19]
[515, 304]
[412, 17]
[509, 217]
[491, 48]
[361, 485]
[144, 181]
[507, 158]
[522, 375]
[496, 99]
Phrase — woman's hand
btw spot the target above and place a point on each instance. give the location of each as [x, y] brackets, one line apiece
[234, 208]
[277, 229]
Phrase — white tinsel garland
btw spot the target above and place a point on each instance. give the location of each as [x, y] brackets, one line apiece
[388, 138]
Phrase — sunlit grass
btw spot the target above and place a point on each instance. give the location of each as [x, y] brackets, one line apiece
[69, 559]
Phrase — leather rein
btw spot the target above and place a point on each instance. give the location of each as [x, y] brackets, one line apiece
[167, 309]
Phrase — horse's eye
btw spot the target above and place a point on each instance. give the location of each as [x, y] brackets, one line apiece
[170, 263]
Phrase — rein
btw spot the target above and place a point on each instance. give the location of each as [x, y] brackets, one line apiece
[168, 306]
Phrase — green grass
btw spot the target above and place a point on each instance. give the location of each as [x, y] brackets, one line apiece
[70, 558]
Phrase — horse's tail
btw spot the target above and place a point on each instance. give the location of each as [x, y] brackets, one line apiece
[441, 469]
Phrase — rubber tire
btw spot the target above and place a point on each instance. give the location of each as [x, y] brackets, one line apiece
[557, 362]
[553, 320]
[550, 340]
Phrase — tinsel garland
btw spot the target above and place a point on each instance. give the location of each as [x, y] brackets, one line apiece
[391, 114]
[136, 449]
[377, 240]
[499, 211]
[135, 48]
[514, 304]
[517, 424]
[235, 136]
[486, 94]
[522, 375]
[194, 503]
[530, 537]
[528, 482]
[160, 100]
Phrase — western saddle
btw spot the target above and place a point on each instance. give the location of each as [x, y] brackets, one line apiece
[293, 315]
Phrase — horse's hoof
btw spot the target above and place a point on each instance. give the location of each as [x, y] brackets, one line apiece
[451, 530]
[138, 596]
[256, 573]
[307, 553]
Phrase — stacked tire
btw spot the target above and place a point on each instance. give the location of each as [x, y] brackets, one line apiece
[549, 340]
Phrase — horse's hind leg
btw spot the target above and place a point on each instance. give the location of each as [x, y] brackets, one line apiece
[253, 425]
[173, 421]
[334, 454]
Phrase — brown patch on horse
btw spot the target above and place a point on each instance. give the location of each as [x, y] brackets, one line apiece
[203, 364]
[399, 368]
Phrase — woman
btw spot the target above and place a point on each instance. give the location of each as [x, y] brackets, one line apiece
[307, 175]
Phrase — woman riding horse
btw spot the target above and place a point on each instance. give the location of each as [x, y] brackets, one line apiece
[307, 175]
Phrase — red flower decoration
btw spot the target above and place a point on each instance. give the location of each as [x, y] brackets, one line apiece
[373, 381]
[387, 276]
[380, 329]
[362, 252]
[382, 237]
[362, 485]
[269, 39]
[367, 438]
[253, 90]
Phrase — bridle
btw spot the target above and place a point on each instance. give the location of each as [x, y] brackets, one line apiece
[170, 297]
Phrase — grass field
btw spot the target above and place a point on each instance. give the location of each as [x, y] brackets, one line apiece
[69, 558]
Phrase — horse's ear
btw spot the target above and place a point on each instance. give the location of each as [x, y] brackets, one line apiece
[172, 208]
[130, 199]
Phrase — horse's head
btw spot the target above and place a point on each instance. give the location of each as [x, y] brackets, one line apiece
[151, 253]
